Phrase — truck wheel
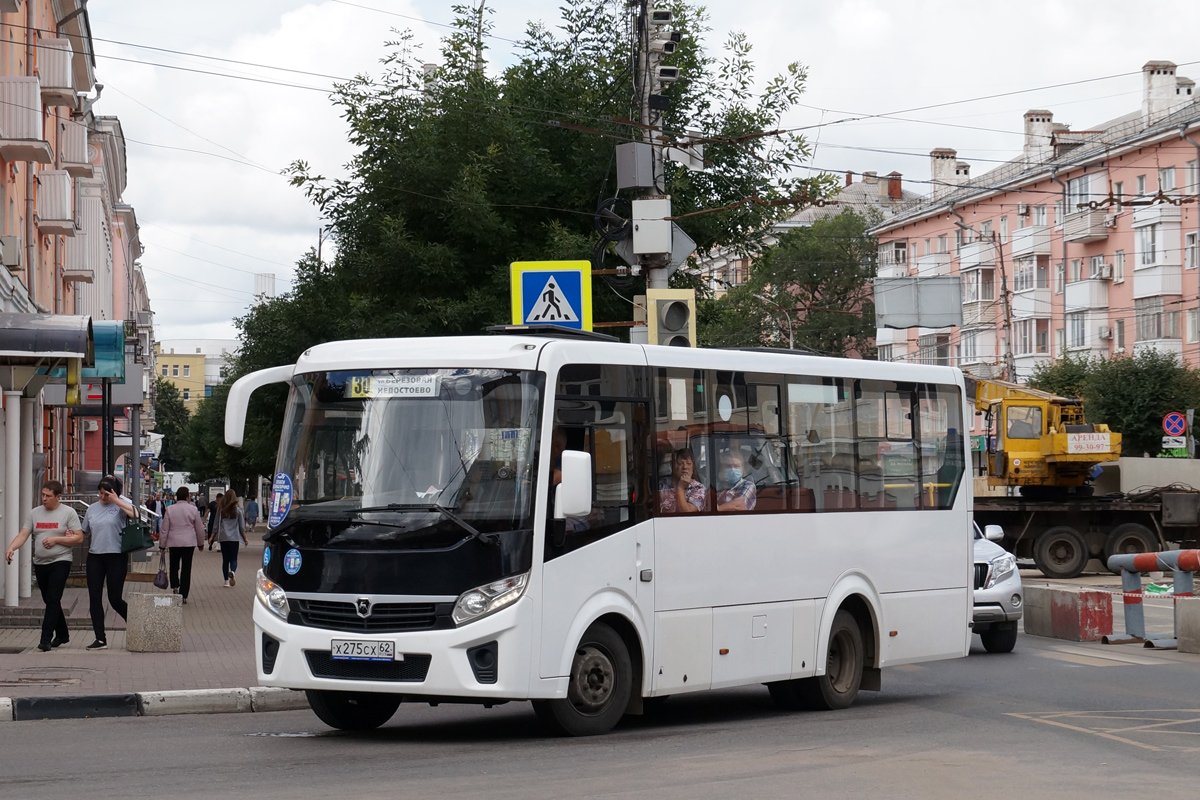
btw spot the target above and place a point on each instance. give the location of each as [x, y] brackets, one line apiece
[1060, 552]
[353, 711]
[838, 687]
[599, 685]
[1000, 638]
[1129, 538]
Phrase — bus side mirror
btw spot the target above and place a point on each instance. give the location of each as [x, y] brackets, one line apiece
[574, 495]
[993, 533]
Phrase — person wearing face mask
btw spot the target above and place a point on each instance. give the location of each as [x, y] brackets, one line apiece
[681, 493]
[740, 493]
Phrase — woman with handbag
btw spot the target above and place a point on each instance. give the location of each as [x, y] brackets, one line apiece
[105, 521]
[230, 529]
[181, 531]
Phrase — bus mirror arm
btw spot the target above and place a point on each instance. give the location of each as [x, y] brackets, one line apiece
[239, 399]
[574, 495]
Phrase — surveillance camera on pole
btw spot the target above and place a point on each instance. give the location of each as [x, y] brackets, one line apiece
[661, 16]
[664, 46]
[667, 74]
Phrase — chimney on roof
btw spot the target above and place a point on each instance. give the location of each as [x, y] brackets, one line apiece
[871, 178]
[849, 178]
[1162, 91]
[945, 171]
[1039, 128]
[894, 189]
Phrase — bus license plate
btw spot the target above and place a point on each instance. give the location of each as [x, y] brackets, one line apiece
[351, 650]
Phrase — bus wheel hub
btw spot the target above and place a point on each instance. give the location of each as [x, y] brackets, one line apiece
[592, 681]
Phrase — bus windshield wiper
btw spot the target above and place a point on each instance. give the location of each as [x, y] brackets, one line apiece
[486, 538]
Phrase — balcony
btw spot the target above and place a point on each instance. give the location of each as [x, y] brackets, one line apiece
[54, 70]
[1082, 295]
[933, 264]
[1031, 303]
[980, 312]
[891, 336]
[73, 148]
[55, 202]
[891, 270]
[1031, 241]
[1085, 226]
[1161, 345]
[76, 268]
[1159, 212]
[1157, 280]
[21, 136]
[976, 254]
[1025, 364]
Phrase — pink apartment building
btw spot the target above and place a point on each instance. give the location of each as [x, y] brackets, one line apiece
[1086, 243]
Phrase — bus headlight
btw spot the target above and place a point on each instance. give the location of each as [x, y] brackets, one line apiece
[489, 598]
[1002, 568]
[271, 596]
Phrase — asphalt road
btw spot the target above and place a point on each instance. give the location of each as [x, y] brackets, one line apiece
[1053, 719]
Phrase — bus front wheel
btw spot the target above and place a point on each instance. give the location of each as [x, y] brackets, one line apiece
[601, 680]
[838, 687]
[352, 711]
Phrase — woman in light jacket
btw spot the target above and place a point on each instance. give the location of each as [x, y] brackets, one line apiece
[229, 531]
[181, 531]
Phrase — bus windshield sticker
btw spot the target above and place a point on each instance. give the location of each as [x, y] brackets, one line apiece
[281, 499]
[292, 561]
[367, 386]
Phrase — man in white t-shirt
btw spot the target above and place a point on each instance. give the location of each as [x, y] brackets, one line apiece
[55, 529]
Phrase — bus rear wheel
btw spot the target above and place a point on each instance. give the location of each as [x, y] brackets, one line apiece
[600, 683]
[353, 711]
[838, 687]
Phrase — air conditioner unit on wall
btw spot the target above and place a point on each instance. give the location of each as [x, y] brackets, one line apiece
[1104, 272]
[10, 251]
[90, 426]
[1023, 209]
[1110, 220]
[1106, 332]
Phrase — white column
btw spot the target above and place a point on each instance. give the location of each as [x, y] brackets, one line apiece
[29, 434]
[12, 491]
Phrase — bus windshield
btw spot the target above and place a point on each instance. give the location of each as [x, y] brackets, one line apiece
[362, 443]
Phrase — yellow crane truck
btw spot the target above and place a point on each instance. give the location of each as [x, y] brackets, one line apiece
[1043, 444]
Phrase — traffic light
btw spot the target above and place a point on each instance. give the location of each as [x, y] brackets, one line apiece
[671, 317]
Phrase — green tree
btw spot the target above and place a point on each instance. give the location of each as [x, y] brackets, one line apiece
[171, 420]
[461, 172]
[813, 287]
[1130, 394]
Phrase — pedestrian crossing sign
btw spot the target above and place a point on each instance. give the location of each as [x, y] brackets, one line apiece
[552, 293]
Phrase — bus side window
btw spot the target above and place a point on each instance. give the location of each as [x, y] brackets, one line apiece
[821, 442]
[678, 480]
[943, 460]
[591, 418]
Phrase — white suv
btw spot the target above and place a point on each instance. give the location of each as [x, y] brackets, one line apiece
[998, 598]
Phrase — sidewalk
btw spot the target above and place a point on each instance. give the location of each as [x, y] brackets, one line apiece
[218, 641]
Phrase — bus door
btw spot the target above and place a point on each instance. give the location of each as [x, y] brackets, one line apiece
[600, 410]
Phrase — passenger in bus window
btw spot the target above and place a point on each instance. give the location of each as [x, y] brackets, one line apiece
[681, 493]
[740, 493]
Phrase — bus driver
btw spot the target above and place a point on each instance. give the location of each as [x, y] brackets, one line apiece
[740, 493]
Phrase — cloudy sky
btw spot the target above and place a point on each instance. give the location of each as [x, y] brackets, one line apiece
[205, 150]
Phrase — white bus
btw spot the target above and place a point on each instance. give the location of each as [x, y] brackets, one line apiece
[588, 524]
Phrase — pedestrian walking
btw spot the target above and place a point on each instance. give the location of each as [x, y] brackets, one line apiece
[251, 513]
[105, 562]
[212, 518]
[181, 531]
[231, 529]
[55, 529]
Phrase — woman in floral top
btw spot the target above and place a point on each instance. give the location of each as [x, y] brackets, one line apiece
[681, 493]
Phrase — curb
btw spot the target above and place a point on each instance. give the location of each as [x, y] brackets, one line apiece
[152, 704]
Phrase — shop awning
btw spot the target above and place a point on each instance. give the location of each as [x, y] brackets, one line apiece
[41, 339]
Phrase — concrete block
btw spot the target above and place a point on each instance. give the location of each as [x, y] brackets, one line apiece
[194, 701]
[269, 698]
[6, 709]
[1068, 612]
[1188, 616]
[155, 623]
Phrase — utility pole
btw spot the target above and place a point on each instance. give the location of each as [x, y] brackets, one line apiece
[652, 107]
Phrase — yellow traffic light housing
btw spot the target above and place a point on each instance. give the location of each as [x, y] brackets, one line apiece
[671, 317]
